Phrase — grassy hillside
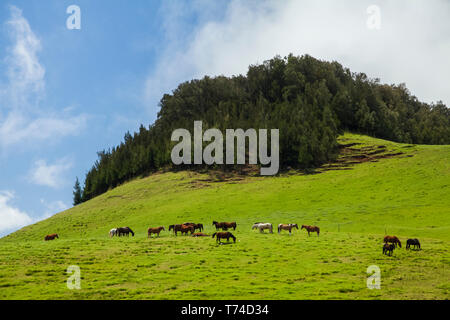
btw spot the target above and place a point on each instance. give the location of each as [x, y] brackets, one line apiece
[375, 187]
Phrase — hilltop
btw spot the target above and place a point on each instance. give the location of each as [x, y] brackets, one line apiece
[374, 186]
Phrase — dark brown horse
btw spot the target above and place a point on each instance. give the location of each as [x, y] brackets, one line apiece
[154, 230]
[311, 229]
[392, 239]
[413, 242]
[388, 249]
[51, 237]
[196, 226]
[181, 228]
[124, 231]
[288, 227]
[224, 225]
[224, 235]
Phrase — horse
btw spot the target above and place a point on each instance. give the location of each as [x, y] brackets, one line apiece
[388, 249]
[224, 225]
[311, 229]
[51, 237]
[112, 232]
[199, 234]
[263, 226]
[181, 228]
[224, 235]
[154, 230]
[393, 239]
[185, 229]
[196, 226]
[289, 227]
[124, 231]
[412, 242]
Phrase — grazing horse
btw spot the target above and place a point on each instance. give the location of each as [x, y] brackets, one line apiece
[224, 235]
[196, 226]
[263, 226]
[124, 231]
[412, 242]
[289, 227]
[175, 228]
[154, 230]
[311, 229]
[185, 229]
[224, 225]
[199, 234]
[181, 228]
[51, 237]
[393, 239]
[112, 232]
[388, 248]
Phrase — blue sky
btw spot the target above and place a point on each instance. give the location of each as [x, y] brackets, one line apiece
[66, 94]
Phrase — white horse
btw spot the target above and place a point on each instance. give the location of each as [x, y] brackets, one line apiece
[112, 232]
[262, 226]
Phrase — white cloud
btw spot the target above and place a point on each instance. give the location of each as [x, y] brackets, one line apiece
[22, 120]
[50, 175]
[412, 45]
[53, 207]
[11, 217]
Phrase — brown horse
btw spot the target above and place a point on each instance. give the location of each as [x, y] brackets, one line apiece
[185, 229]
[51, 237]
[196, 226]
[199, 234]
[224, 235]
[311, 229]
[388, 249]
[392, 239]
[224, 225]
[181, 228]
[154, 230]
[289, 227]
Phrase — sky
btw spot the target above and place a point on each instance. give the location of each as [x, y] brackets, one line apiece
[66, 94]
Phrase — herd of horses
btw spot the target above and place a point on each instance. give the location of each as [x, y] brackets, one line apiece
[390, 242]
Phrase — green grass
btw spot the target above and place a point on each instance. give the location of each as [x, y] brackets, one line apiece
[354, 205]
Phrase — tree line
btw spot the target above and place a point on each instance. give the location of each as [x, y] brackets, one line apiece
[310, 101]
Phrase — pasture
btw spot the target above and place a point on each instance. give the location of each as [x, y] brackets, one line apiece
[375, 188]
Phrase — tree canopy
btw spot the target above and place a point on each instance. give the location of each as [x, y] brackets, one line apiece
[310, 101]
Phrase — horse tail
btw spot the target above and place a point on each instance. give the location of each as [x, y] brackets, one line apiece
[214, 234]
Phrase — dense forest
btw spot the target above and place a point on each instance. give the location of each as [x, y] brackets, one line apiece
[308, 100]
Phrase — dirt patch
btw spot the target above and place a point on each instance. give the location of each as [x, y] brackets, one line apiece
[350, 156]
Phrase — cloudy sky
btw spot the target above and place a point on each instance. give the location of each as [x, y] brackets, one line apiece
[67, 93]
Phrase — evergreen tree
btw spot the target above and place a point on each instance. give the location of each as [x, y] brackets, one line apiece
[77, 193]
